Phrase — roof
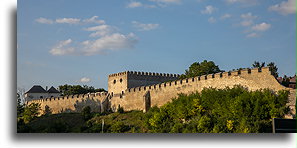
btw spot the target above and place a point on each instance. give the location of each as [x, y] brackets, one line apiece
[53, 90]
[293, 79]
[37, 89]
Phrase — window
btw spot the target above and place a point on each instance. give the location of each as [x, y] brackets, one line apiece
[121, 80]
[114, 81]
[41, 97]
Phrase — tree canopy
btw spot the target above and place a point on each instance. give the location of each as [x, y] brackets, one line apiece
[78, 89]
[199, 69]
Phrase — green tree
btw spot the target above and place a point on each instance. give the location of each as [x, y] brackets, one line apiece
[273, 69]
[118, 127]
[120, 109]
[86, 113]
[47, 110]
[203, 68]
[286, 81]
[100, 90]
[31, 112]
[77, 89]
[257, 64]
[20, 106]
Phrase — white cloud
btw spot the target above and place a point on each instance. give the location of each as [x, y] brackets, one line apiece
[156, 3]
[108, 38]
[244, 2]
[225, 16]
[248, 16]
[208, 10]
[247, 19]
[114, 41]
[85, 80]
[261, 27]
[62, 48]
[100, 30]
[252, 35]
[134, 5]
[94, 20]
[167, 1]
[68, 20]
[44, 21]
[285, 7]
[251, 29]
[233, 1]
[144, 27]
[246, 23]
[212, 20]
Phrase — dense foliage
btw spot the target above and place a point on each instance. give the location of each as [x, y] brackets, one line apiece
[203, 68]
[229, 110]
[77, 89]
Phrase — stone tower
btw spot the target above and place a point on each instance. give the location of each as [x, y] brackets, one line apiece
[118, 83]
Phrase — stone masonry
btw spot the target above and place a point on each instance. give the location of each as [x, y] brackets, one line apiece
[142, 90]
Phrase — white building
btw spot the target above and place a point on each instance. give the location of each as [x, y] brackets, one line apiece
[37, 92]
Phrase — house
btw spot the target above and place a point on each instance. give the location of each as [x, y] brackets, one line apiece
[38, 92]
[292, 83]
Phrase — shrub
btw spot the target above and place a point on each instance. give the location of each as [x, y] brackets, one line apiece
[234, 110]
[86, 113]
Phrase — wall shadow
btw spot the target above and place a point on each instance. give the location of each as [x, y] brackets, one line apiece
[94, 104]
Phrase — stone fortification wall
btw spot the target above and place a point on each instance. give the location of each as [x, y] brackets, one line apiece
[72, 103]
[119, 82]
[143, 97]
[136, 79]
[160, 94]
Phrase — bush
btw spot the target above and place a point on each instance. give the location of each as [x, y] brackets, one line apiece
[120, 109]
[47, 111]
[118, 127]
[31, 112]
[86, 113]
[234, 110]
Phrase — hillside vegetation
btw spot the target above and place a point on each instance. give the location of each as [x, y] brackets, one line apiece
[229, 110]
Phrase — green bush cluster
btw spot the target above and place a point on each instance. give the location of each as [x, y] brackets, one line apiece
[229, 110]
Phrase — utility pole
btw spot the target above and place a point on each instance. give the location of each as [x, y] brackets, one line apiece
[102, 125]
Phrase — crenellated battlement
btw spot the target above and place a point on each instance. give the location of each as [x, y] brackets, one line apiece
[77, 96]
[140, 73]
[216, 76]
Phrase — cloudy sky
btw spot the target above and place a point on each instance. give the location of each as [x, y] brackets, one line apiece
[82, 41]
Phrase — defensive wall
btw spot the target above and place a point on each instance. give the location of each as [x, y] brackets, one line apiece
[146, 96]
[73, 103]
[143, 97]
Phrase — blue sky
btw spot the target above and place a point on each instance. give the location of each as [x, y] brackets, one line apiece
[81, 42]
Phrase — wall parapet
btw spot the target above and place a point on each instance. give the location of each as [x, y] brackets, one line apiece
[140, 73]
[77, 96]
[198, 78]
